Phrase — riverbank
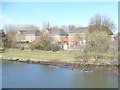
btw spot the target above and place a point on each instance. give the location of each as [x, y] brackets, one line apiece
[73, 65]
[60, 59]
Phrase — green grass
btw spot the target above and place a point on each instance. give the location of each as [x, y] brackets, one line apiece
[50, 55]
[40, 55]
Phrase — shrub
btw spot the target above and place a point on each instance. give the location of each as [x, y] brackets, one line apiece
[36, 45]
[55, 47]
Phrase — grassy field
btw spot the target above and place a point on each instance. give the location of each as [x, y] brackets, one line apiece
[40, 55]
[50, 55]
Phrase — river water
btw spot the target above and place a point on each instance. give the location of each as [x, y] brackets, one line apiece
[23, 75]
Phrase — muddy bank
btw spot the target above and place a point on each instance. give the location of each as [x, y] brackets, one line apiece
[74, 65]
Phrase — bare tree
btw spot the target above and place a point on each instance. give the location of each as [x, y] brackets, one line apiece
[99, 36]
[46, 25]
[29, 27]
[10, 27]
[100, 29]
[10, 32]
[71, 27]
[99, 20]
[64, 27]
[11, 38]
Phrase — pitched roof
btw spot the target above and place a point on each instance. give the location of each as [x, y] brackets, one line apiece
[79, 30]
[30, 32]
[92, 28]
[57, 31]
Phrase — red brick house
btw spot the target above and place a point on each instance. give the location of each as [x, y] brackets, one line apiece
[58, 35]
[73, 39]
[80, 35]
[27, 35]
[77, 37]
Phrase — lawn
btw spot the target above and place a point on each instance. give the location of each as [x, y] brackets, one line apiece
[50, 55]
[40, 55]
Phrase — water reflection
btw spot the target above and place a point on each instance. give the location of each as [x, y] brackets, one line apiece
[98, 80]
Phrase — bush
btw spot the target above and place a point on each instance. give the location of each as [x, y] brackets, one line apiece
[55, 47]
[45, 43]
[47, 47]
[34, 46]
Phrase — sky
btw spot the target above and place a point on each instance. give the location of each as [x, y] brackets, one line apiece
[57, 13]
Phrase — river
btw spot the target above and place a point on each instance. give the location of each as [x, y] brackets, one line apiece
[23, 75]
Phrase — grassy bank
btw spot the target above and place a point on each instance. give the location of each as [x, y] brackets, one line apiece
[64, 59]
[59, 55]
[40, 55]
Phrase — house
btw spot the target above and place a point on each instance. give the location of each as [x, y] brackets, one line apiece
[59, 35]
[68, 40]
[77, 37]
[27, 35]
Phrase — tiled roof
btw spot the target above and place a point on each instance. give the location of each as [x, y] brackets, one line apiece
[30, 32]
[79, 30]
[55, 31]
